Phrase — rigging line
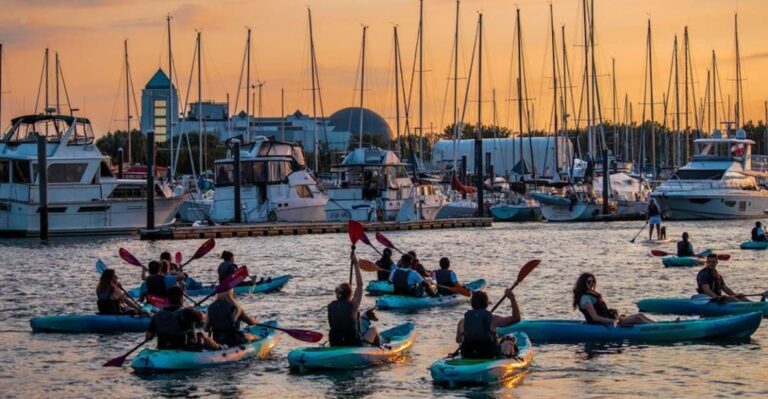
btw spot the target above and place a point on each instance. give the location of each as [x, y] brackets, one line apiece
[240, 79]
[40, 84]
[64, 85]
[115, 97]
[189, 83]
[469, 75]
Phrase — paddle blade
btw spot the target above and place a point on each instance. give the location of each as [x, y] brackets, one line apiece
[204, 249]
[128, 257]
[526, 270]
[157, 301]
[101, 266]
[304, 335]
[178, 258]
[356, 231]
[723, 256]
[233, 280]
[656, 252]
[116, 362]
[384, 241]
[368, 266]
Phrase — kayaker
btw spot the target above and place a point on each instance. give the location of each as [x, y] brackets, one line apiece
[224, 317]
[654, 219]
[407, 281]
[445, 277]
[684, 247]
[385, 263]
[344, 314]
[417, 266]
[111, 298]
[174, 326]
[227, 266]
[710, 283]
[172, 267]
[758, 234]
[476, 332]
[155, 284]
[592, 305]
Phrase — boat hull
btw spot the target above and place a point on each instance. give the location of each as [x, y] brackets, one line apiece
[511, 213]
[702, 205]
[693, 307]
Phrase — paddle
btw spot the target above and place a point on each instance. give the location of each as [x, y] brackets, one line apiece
[118, 361]
[385, 242]
[638, 233]
[657, 252]
[232, 281]
[178, 258]
[101, 266]
[521, 275]
[301, 335]
[129, 258]
[356, 232]
[203, 250]
[368, 266]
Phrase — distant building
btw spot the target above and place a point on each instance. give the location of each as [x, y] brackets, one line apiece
[155, 114]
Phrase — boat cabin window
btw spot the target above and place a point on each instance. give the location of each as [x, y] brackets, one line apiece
[303, 191]
[5, 169]
[66, 172]
[127, 191]
[278, 171]
[105, 170]
[20, 172]
[699, 174]
[225, 174]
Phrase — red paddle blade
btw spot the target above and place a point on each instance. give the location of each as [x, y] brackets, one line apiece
[128, 257]
[178, 258]
[356, 231]
[204, 249]
[157, 301]
[527, 269]
[368, 266]
[304, 335]
[116, 362]
[383, 240]
[656, 252]
[723, 256]
[233, 280]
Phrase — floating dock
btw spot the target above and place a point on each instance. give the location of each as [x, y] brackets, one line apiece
[290, 229]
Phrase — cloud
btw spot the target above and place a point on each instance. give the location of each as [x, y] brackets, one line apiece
[35, 30]
[755, 56]
[193, 15]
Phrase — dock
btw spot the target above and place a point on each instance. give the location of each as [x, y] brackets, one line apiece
[291, 229]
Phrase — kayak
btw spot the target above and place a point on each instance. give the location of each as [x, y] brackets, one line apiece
[376, 287]
[699, 307]
[676, 261]
[403, 302]
[262, 287]
[159, 360]
[575, 331]
[460, 372]
[395, 341]
[90, 323]
[754, 245]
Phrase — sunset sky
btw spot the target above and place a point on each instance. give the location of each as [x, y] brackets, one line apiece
[89, 34]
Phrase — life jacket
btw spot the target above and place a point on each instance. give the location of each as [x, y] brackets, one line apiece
[478, 341]
[715, 286]
[106, 304]
[224, 326]
[345, 326]
[169, 325]
[400, 282]
[601, 308]
[443, 277]
[156, 285]
[684, 248]
[225, 269]
[385, 264]
[756, 236]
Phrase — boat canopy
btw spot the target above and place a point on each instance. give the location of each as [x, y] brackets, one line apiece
[54, 127]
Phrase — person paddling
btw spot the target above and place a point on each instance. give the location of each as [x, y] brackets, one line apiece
[224, 317]
[344, 315]
[386, 264]
[592, 305]
[476, 332]
[684, 247]
[758, 233]
[417, 266]
[173, 268]
[175, 326]
[111, 298]
[156, 283]
[710, 283]
[407, 281]
[654, 219]
[445, 277]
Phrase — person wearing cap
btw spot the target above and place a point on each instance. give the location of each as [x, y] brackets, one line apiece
[758, 234]
[344, 315]
[710, 283]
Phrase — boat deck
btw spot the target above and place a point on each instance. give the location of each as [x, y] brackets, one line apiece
[286, 229]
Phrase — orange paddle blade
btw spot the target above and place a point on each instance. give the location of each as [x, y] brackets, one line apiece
[656, 252]
[368, 266]
[527, 269]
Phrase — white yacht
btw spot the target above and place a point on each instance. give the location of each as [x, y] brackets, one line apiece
[372, 184]
[724, 181]
[276, 185]
[84, 196]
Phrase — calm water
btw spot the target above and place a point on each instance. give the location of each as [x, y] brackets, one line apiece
[39, 280]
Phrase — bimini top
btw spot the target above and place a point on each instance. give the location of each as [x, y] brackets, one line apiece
[74, 130]
[730, 140]
[371, 156]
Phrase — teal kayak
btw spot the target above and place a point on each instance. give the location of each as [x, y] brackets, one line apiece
[159, 360]
[261, 287]
[375, 287]
[516, 213]
[402, 302]
[90, 323]
[395, 342]
[699, 306]
[575, 331]
[754, 245]
[677, 261]
[461, 372]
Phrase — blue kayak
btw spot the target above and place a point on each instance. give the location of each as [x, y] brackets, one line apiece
[90, 323]
[575, 331]
[403, 302]
[698, 306]
[754, 245]
[375, 287]
[267, 286]
[682, 261]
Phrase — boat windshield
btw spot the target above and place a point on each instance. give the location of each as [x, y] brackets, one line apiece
[699, 174]
[53, 127]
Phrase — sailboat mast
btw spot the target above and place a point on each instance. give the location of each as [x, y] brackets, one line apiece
[315, 146]
[686, 123]
[615, 109]
[1, 84]
[421, 78]
[678, 150]
[200, 100]
[555, 118]
[248, 87]
[587, 96]
[397, 90]
[456, 90]
[479, 133]
[47, 102]
[715, 122]
[739, 93]
[127, 100]
[171, 111]
[520, 92]
[362, 84]
[653, 115]
[58, 101]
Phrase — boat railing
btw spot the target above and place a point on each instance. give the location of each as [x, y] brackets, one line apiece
[688, 185]
[760, 163]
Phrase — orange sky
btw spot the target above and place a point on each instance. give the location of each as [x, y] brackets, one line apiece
[88, 35]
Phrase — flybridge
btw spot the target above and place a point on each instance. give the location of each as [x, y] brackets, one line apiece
[56, 128]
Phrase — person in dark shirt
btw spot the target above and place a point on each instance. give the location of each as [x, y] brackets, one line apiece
[710, 283]
[758, 234]
[654, 219]
[175, 326]
[684, 247]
